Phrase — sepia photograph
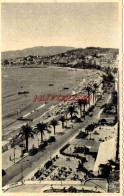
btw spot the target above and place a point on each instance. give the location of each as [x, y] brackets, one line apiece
[61, 99]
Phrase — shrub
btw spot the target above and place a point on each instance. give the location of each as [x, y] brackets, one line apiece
[43, 145]
[74, 117]
[105, 170]
[13, 145]
[38, 174]
[72, 189]
[48, 164]
[90, 109]
[33, 151]
[78, 120]
[102, 121]
[81, 150]
[90, 127]
[82, 135]
[51, 139]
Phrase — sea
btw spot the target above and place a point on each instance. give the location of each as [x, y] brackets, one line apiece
[37, 81]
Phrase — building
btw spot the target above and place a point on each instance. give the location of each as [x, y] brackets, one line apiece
[106, 152]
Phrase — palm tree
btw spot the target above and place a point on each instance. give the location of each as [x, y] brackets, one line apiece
[88, 88]
[54, 123]
[41, 127]
[110, 78]
[80, 103]
[89, 128]
[62, 119]
[104, 79]
[105, 170]
[94, 96]
[108, 70]
[72, 110]
[84, 104]
[107, 79]
[94, 92]
[26, 131]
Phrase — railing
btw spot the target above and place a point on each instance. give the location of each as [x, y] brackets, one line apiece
[49, 183]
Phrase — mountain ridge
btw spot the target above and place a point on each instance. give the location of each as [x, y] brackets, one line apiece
[36, 51]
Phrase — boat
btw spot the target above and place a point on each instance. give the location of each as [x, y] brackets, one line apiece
[23, 92]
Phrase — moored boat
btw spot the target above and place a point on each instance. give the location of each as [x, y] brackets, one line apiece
[23, 92]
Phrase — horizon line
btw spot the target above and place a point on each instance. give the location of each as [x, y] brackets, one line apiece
[58, 46]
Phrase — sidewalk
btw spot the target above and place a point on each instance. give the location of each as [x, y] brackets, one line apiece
[8, 156]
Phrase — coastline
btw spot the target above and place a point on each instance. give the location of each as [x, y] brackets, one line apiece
[39, 114]
[12, 133]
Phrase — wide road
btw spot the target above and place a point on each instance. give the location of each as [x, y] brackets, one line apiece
[30, 163]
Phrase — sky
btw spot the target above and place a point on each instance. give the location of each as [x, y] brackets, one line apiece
[79, 25]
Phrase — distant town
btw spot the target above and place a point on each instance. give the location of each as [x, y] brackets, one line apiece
[91, 57]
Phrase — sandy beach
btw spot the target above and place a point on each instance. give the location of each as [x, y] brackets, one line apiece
[36, 110]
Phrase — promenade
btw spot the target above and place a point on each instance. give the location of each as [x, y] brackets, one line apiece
[28, 164]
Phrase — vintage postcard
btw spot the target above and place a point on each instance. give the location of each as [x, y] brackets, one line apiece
[61, 97]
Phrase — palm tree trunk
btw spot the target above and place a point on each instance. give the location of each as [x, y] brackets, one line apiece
[66, 123]
[62, 125]
[71, 117]
[26, 144]
[93, 97]
[95, 94]
[80, 111]
[88, 98]
[84, 111]
[41, 137]
[66, 119]
[54, 130]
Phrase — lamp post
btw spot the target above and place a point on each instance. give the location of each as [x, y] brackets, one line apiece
[14, 154]
[22, 155]
[22, 168]
[10, 158]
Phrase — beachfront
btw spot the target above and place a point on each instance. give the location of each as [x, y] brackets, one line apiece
[63, 136]
[61, 97]
[60, 139]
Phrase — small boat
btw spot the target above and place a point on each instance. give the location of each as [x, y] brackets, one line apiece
[23, 92]
[50, 84]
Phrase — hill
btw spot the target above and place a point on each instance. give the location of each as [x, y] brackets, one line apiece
[35, 51]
